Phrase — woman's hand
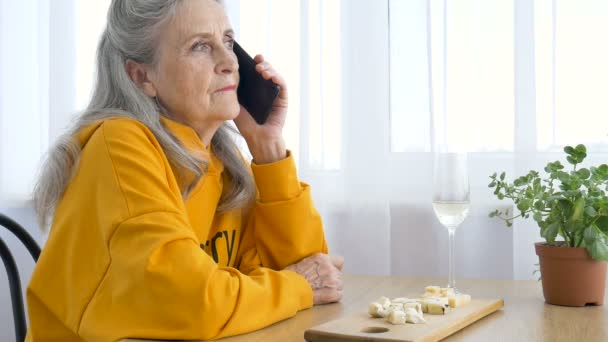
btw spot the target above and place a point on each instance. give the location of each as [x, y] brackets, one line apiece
[265, 141]
[324, 274]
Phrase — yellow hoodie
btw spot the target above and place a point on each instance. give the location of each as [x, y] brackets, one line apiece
[127, 256]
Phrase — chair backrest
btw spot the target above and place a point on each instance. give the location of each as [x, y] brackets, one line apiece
[14, 281]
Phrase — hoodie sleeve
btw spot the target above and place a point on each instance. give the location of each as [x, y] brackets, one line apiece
[160, 284]
[283, 227]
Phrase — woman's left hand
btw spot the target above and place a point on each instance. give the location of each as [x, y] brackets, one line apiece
[265, 141]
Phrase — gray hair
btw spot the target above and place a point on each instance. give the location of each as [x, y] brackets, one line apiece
[132, 32]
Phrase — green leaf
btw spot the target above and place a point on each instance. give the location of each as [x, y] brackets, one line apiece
[583, 173]
[536, 185]
[539, 205]
[602, 171]
[573, 227]
[598, 250]
[590, 211]
[538, 217]
[590, 235]
[502, 176]
[602, 224]
[579, 206]
[581, 148]
[565, 206]
[569, 149]
[524, 204]
[550, 233]
[563, 177]
[571, 160]
[575, 184]
[530, 194]
[491, 185]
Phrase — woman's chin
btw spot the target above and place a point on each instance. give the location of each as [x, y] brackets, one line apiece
[234, 111]
[230, 111]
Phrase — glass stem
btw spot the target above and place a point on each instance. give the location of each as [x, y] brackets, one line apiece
[451, 260]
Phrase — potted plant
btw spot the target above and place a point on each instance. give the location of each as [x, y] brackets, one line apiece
[571, 209]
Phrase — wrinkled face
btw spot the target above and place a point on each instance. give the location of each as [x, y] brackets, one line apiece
[197, 72]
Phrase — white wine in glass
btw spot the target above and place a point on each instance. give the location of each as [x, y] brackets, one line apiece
[451, 199]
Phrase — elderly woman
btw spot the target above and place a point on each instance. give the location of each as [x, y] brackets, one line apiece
[159, 227]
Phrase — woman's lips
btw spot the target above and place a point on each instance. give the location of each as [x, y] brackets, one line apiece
[228, 88]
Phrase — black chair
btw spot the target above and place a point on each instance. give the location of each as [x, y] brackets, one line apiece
[14, 281]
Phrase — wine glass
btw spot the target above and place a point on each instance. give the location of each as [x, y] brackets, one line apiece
[451, 198]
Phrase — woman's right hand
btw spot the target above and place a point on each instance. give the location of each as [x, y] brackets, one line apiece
[324, 274]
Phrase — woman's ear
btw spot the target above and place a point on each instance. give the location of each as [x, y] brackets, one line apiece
[140, 76]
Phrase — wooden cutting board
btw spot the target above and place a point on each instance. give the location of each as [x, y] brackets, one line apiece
[362, 327]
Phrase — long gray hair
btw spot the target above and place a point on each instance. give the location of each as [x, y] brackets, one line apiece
[132, 32]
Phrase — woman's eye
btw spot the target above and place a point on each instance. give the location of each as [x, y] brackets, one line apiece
[200, 46]
[230, 44]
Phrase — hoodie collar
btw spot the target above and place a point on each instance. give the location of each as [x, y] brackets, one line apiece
[186, 134]
[190, 139]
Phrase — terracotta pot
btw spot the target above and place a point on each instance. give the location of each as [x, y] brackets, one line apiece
[570, 276]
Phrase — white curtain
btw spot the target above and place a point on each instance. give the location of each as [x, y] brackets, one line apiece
[512, 82]
[38, 52]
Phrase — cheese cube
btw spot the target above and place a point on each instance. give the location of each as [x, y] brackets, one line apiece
[436, 308]
[435, 290]
[413, 305]
[401, 300]
[377, 310]
[384, 301]
[396, 317]
[447, 291]
[395, 306]
[413, 316]
[458, 300]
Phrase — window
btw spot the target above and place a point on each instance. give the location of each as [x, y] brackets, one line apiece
[302, 41]
[571, 73]
[451, 74]
[24, 96]
[91, 21]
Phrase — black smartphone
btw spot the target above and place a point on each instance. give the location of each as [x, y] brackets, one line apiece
[254, 92]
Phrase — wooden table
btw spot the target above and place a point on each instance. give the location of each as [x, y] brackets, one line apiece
[525, 316]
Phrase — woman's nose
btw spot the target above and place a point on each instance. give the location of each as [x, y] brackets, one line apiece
[227, 62]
